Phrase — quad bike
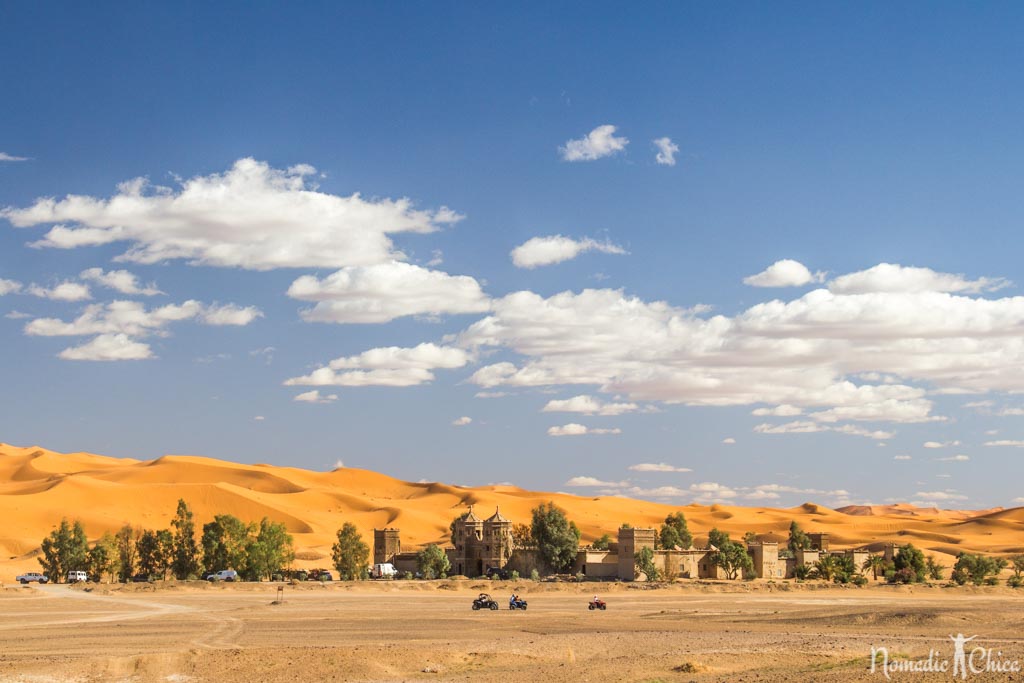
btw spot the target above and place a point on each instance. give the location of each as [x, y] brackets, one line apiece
[597, 603]
[517, 604]
[484, 601]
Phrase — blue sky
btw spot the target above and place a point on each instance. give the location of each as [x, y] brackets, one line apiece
[822, 281]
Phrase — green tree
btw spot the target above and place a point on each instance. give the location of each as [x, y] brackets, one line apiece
[126, 542]
[674, 532]
[153, 558]
[454, 526]
[801, 572]
[557, 539]
[65, 549]
[909, 557]
[269, 551]
[976, 568]
[521, 536]
[185, 550]
[876, 563]
[433, 562]
[602, 543]
[645, 563]
[933, 569]
[798, 540]
[103, 558]
[826, 567]
[351, 556]
[224, 543]
[731, 557]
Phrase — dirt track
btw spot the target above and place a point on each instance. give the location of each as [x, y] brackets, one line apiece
[415, 631]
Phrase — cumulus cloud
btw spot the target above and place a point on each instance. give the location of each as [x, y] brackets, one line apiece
[119, 280]
[598, 143]
[902, 457]
[462, 421]
[575, 429]
[108, 347]
[383, 292]
[4, 156]
[940, 444]
[588, 405]
[955, 458]
[593, 482]
[729, 440]
[64, 291]
[1006, 442]
[942, 496]
[544, 251]
[657, 467]
[391, 366]
[666, 155]
[9, 287]
[890, 277]
[809, 427]
[251, 216]
[133, 319]
[315, 396]
[784, 273]
[784, 410]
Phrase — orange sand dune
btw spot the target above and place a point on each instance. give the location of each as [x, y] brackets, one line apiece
[38, 487]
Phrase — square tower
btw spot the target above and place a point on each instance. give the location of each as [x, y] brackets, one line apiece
[631, 541]
[386, 544]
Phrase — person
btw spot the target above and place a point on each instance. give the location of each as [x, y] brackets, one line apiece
[595, 598]
[512, 600]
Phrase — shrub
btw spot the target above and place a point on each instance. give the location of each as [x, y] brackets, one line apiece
[514, 575]
[534, 575]
[860, 580]
[1015, 582]
[801, 572]
[904, 575]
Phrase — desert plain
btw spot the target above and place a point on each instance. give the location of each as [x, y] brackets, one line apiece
[425, 630]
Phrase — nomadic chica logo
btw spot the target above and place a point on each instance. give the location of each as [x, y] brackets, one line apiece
[965, 663]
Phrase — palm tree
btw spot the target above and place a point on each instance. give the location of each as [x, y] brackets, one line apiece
[826, 567]
[876, 563]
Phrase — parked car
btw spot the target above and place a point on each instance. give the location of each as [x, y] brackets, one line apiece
[320, 575]
[32, 577]
[222, 575]
[384, 571]
[75, 577]
[140, 578]
[484, 601]
[498, 572]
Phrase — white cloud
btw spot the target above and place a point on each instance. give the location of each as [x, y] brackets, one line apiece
[4, 156]
[339, 464]
[939, 496]
[230, 314]
[1011, 412]
[784, 273]
[809, 427]
[132, 318]
[666, 155]
[574, 429]
[889, 277]
[588, 405]
[383, 292]
[591, 481]
[119, 280]
[598, 143]
[544, 251]
[1006, 442]
[940, 444]
[389, 366]
[9, 287]
[16, 315]
[315, 396]
[657, 467]
[462, 421]
[955, 458]
[259, 418]
[491, 394]
[252, 216]
[902, 457]
[108, 347]
[64, 291]
[729, 440]
[784, 410]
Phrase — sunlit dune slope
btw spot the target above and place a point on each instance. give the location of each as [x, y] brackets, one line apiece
[38, 487]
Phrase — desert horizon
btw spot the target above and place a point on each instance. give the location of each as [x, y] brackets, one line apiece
[38, 487]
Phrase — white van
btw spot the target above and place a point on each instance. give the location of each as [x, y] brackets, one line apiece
[384, 571]
[75, 577]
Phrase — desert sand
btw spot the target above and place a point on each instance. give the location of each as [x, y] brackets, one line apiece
[405, 630]
[39, 486]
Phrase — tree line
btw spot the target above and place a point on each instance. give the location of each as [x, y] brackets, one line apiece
[256, 550]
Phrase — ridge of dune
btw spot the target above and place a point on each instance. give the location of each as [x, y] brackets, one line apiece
[38, 487]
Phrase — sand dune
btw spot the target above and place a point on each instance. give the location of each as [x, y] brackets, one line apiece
[38, 487]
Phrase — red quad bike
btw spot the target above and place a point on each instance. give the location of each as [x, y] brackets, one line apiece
[597, 603]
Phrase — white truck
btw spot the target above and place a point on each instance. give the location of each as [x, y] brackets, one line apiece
[223, 575]
[30, 577]
[384, 571]
[75, 577]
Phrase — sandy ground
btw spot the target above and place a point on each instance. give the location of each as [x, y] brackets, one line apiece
[427, 631]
